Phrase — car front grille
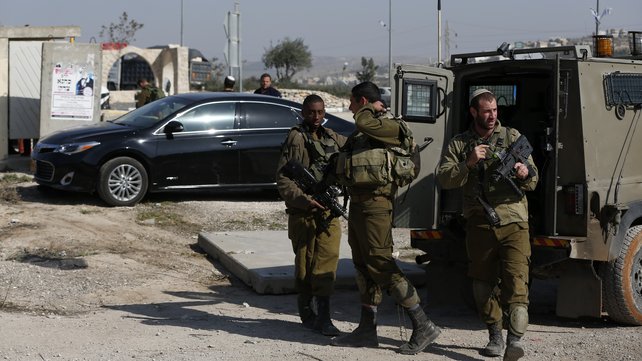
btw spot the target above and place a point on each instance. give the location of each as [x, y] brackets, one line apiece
[44, 170]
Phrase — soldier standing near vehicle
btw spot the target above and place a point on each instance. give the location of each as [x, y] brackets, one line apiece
[501, 252]
[148, 93]
[370, 232]
[315, 244]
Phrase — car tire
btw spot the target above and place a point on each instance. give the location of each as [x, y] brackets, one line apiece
[122, 182]
[622, 281]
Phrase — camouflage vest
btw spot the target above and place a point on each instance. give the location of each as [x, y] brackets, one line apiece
[494, 192]
[319, 150]
[368, 162]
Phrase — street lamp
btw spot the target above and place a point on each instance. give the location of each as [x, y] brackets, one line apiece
[389, 26]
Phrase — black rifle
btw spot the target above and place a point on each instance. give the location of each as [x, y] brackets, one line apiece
[326, 195]
[519, 151]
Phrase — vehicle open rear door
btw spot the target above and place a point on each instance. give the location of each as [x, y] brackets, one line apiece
[422, 95]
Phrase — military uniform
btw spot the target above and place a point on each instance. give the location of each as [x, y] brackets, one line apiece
[316, 252]
[145, 95]
[370, 238]
[370, 224]
[496, 253]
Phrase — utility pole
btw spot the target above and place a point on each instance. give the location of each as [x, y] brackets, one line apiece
[597, 20]
[389, 26]
[448, 35]
[232, 52]
[181, 22]
[390, 43]
[439, 63]
[237, 11]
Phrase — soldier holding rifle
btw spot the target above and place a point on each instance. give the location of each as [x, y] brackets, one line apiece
[496, 211]
[315, 235]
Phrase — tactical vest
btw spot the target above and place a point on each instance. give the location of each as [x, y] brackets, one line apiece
[495, 192]
[319, 150]
[365, 161]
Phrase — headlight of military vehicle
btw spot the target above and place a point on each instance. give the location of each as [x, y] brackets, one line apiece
[72, 148]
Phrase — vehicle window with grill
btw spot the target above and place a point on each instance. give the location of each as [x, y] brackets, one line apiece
[505, 94]
[261, 115]
[206, 117]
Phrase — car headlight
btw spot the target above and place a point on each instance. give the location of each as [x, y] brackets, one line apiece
[72, 148]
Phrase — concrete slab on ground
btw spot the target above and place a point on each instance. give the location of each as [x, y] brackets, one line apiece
[264, 260]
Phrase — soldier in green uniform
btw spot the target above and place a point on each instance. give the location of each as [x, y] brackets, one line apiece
[499, 254]
[370, 232]
[316, 248]
[148, 93]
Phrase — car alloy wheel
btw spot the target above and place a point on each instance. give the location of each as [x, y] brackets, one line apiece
[123, 182]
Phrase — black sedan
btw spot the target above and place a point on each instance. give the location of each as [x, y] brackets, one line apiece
[182, 142]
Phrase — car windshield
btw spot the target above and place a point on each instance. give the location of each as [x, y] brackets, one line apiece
[151, 113]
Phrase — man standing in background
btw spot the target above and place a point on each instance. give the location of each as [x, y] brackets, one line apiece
[266, 87]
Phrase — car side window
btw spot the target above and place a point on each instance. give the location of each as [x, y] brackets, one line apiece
[261, 115]
[206, 117]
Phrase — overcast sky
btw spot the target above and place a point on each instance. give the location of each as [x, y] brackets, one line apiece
[331, 27]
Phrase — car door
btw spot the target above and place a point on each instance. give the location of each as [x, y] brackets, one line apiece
[264, 127]
[422, 95]
[203, 154]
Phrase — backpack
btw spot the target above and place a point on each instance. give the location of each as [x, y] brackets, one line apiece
[368, 163]
[406, 159]
[155, 94]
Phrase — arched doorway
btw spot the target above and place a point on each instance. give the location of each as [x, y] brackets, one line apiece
[127, 70]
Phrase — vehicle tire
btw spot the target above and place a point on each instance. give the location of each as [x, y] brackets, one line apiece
[122, 182]
[622, 281]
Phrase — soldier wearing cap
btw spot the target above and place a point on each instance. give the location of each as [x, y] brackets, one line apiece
[499, 253]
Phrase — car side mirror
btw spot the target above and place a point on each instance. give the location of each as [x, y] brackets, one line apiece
[173, 127]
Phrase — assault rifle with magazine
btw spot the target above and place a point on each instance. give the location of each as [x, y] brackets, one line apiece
[323, 193]
[519, 151]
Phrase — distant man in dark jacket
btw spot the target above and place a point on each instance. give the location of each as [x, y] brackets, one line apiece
[266, 87]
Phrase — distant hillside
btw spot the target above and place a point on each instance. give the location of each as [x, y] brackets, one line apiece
[328, 66]
[323, 66]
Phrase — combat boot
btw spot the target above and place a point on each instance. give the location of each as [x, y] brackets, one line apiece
[514, 348]
[424, 332]
[365, 335]
[496, 344]
[306, 313]
[323, 321]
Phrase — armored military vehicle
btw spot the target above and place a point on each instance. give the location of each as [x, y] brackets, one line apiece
[580, 113]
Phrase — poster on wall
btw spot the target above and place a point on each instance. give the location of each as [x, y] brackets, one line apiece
[72, 93]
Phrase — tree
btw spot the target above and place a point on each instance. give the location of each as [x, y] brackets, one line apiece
[123, 32]
[218, 71]
[368, 70]
[288, 57]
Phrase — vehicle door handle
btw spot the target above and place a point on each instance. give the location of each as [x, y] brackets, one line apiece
[229, 143]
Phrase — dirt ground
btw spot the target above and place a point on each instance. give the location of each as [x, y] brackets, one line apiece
[81, 281]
